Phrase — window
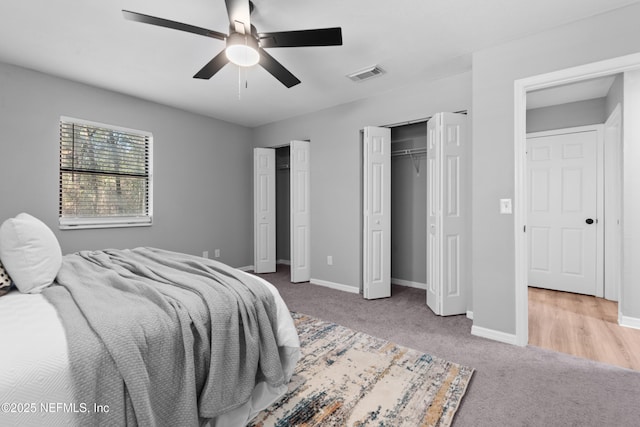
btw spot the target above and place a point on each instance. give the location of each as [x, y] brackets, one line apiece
[105, 175]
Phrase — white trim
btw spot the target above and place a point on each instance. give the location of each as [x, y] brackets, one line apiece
[245, 268]
[75, 223]
[629, 322]
[492, 334]
[613, 208]
[337, 286]
[521, 87]
[408, 283]
[469, 314]
[283, 261]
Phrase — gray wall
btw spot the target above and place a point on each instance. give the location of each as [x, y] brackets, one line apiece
[572, 114]
[409, 205]
[202, 167]
[336, 158]
[494, 71]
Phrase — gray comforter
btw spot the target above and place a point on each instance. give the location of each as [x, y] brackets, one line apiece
[162, 338]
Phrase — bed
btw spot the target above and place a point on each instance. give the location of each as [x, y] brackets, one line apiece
[142, 336]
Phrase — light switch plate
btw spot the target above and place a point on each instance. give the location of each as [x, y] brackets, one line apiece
[505, 206]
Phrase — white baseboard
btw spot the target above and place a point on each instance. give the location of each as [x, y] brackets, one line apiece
[629, 322]
[245, 268]
[283, 261]
[494, 335]
[338, 286]
[408, 283]
[469, 314]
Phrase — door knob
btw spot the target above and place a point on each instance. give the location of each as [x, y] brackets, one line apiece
[589, 221]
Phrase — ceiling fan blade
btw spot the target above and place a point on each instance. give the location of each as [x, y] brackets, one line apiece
[139, 17]
[213, 66]
[239, 13]
[277, 70]
[317, 37]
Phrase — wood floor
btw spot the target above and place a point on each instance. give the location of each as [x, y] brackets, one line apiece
[583, 326]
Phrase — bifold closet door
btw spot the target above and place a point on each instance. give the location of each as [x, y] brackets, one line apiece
[264, 210]
[376, 212]
[300, 212]
[447, 233]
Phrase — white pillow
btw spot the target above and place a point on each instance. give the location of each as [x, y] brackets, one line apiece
[30, 253]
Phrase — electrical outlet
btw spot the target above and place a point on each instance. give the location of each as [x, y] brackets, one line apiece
[216, 253]
[205, 254]
[329, 260]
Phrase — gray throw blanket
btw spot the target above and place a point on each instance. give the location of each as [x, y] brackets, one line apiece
[159, 338]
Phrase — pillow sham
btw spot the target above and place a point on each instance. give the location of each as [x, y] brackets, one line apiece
[5, 280]
[30, 252]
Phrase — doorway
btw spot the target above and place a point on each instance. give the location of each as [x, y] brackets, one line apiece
[565, 216]
[521, 89]
[282, 209]
[409, 205]
[446, 226]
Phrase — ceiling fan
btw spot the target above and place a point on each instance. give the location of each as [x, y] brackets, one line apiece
[245, 46]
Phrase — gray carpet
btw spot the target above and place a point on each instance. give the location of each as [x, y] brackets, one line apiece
[512, 386]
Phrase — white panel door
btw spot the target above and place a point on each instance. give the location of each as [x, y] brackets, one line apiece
[562, 223]
[433, 217]
[300, 216]
[264, 210]
[453, 225]
[446, 224]
[377, 213]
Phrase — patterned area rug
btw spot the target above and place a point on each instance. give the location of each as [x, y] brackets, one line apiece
[348, 378]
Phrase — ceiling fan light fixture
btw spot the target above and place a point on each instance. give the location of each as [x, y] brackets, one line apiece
[242, 50]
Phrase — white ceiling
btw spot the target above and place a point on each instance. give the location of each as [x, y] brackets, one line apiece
[89, 41]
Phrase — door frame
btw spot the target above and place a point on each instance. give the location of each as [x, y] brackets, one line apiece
[613, 163]
[521, 87]
[599, 130]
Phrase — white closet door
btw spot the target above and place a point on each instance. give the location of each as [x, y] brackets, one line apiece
[453, 195]
[433, 218]
[447, 233]
[264, 209]
[377, 213]
[300, 216]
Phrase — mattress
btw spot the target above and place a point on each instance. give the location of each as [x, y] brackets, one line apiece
[35, 379]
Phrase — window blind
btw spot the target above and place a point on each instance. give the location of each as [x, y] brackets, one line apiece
[105, 175]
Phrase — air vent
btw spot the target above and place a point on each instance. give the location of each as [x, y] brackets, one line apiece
[366, 74]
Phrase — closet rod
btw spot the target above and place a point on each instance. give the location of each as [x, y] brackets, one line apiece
[413, 122]
[409, 151]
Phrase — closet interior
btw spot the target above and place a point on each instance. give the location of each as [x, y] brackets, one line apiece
[283, 201]
[409, 204]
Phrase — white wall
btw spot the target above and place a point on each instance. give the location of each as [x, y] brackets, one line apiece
[336, 164]
[202, 167]
[494, 72]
